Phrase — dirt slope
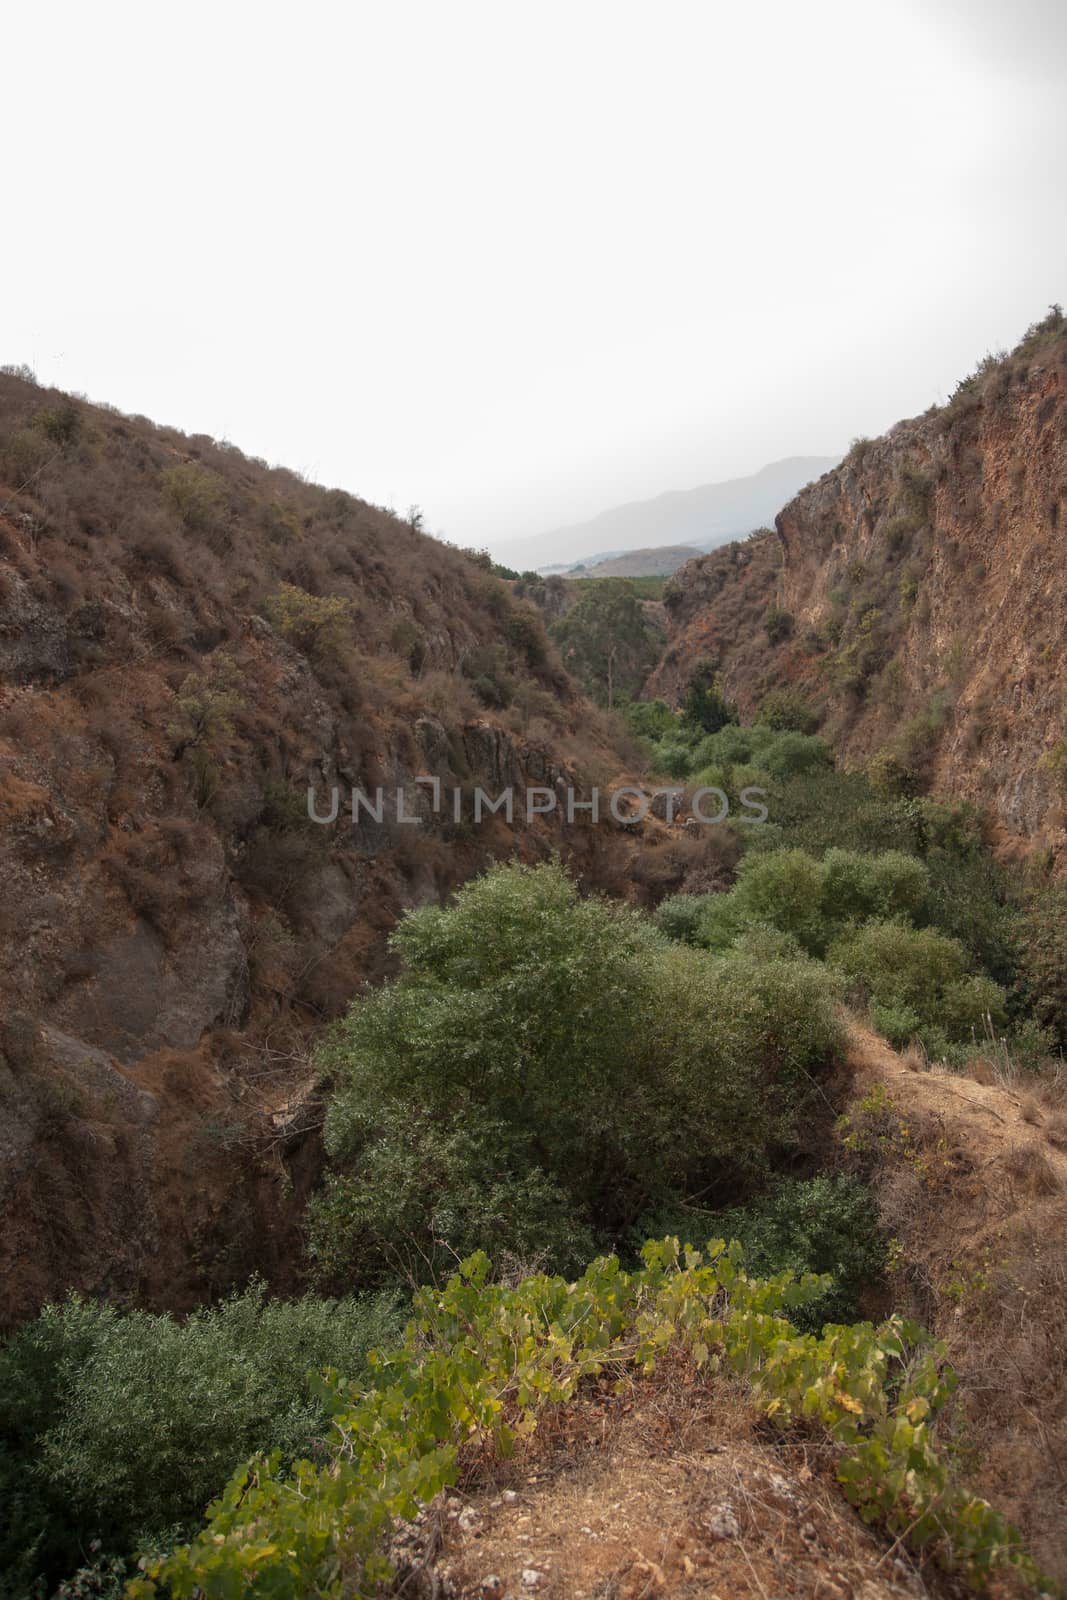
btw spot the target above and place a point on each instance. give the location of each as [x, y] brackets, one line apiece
[971, 1181]
[670, 1489]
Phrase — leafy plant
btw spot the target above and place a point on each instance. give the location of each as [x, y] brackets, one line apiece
[482, 1362]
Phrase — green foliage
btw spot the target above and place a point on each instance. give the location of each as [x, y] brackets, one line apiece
[606, 641]
[111, 1423]
[650, 719]
[481, 1362]
[825, 1225]
[61, 424]
[525, 632]
[1042, 936]
[544, 1069]
[778, 625]
[316, 624]
[206, 704]
[787, 710]
[198, 497]
[917, 972]
[705, 705]
[809, 900]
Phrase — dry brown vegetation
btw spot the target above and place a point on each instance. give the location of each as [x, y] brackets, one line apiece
[973, 1190]
[670, 1487]
[188, 639]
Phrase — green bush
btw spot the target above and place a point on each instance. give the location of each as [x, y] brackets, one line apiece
[812, 1225]
[787, 711]
[917, 971]
[778, 625]
[544, 1068]
[679, 916]
[112, 1424]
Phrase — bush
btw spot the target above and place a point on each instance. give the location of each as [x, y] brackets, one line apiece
[778, 625]
[114, 1424]
[909, 971]
[316, 624]
[679, 916]
[806, 1225]
[198, 497]
[787, 711]
[545, 1068]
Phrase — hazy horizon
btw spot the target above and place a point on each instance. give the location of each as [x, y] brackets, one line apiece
[519, 268]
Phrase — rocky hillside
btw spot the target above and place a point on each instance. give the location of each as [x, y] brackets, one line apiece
[188, 640]
[917, 595]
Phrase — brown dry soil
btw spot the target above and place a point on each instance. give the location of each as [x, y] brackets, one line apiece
[673, 1488]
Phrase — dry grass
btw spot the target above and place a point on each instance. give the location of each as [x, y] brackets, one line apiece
[976, 1196]
[671, 1488]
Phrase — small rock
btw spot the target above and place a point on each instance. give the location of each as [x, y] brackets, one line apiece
[470, 1522]
[531, 1577]
[509, 1496]
[492, 1586]
[808, 1532]
[721, 1522]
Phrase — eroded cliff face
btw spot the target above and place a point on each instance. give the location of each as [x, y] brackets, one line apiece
[188, 641]
[918, 597]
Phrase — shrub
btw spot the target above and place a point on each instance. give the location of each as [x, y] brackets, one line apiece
[705, 704]
[543, 1069]
[1042, 936]
[787, 711]
[316, 624]
[198, 497]
[916, 971]
[651, 719]
[112, 1424]
[778, 625]
[825, 1225]
[679, 916]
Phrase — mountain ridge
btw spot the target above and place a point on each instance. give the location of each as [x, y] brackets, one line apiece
[707, 513]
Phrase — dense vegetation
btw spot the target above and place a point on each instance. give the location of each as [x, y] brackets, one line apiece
[547, 1070]
[117, 1427]
[898, 893]
[482, 1361]
[606, 639]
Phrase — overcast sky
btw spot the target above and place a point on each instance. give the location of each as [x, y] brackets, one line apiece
[518, 263]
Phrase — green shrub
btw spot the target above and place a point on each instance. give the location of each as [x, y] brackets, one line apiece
[787, 711]
[1042, 960]
[316, 624]
[198, 497]
[546, 1065]
[112, 1423]
[778, 625]
[650, 719]
[679, 916]
[916, 970]
[812, 1225]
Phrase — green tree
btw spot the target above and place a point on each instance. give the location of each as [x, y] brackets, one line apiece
[606, 641]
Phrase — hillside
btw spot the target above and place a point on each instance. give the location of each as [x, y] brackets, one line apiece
[188, 640]
[656, 562]
[916, 594]
[710, 514]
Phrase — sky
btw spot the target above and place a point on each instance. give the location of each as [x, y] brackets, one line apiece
[515, 264]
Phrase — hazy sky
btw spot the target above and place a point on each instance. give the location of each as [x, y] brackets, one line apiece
[517, 263]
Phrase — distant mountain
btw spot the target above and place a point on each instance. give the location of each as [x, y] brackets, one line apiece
[658, 562]
[707, 516]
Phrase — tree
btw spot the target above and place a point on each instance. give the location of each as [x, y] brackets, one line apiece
[606, 641]
[704, 704]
